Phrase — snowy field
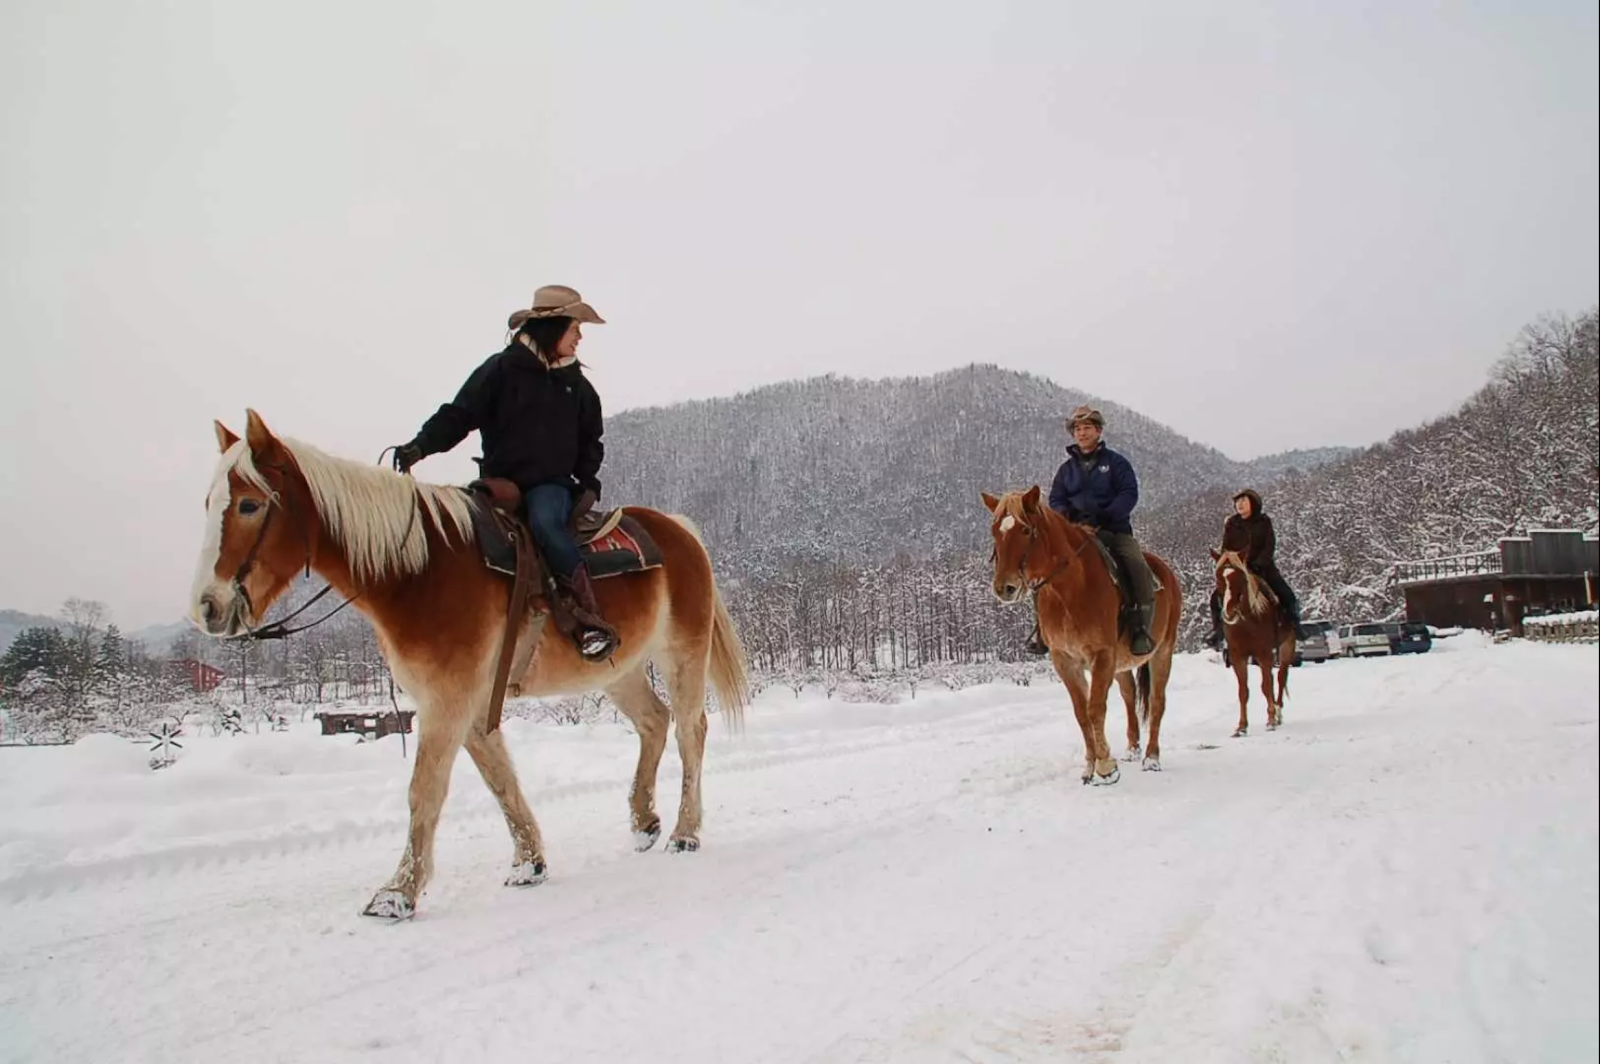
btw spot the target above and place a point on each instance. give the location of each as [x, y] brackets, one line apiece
[1406, 872]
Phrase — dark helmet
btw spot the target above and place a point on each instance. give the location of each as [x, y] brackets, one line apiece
[1254, 497]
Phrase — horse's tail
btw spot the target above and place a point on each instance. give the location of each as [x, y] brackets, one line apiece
[728, 676]
[1141, 689]
[726, 669]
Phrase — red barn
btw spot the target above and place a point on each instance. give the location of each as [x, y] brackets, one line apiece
[202, 677]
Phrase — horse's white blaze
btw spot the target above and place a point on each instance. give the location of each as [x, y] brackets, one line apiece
[205, 572]
[1007, 523]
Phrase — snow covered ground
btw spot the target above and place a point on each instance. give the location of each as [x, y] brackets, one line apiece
[1406, 872]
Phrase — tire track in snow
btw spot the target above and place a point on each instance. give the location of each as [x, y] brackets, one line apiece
[39, 884]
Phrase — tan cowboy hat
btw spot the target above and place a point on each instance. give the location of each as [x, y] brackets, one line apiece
[555, 301]
[1089, 414]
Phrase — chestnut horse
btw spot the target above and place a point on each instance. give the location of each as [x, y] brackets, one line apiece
[1254, 627]
[405, 552]
[1038, 550]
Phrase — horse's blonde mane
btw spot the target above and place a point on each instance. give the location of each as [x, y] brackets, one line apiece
[371, 512]
[1253, 595]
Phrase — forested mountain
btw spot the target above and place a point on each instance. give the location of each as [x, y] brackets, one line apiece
[851, 470]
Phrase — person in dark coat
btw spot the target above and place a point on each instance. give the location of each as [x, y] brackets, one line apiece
[1097, 486]
[541, 425]
[1248, 531]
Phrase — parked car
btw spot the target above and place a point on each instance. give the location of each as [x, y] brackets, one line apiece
[1409, 637]
[1364, 640]
[1320, 644]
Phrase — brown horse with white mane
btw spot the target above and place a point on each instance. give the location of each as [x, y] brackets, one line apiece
[1254, 627]
[405, 552]
[1037, 549]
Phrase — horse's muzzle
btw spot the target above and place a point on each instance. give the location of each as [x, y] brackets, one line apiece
[1007, 591]
[219, 613]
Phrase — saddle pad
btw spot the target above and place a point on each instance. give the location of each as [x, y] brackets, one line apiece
[626, 548]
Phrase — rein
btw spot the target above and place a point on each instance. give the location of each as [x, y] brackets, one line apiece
[280, 629]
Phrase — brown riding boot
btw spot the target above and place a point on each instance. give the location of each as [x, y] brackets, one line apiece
[596, 637]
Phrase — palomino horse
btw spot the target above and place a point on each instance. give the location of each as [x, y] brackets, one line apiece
[405, 552]
[1038, 550]
[1254, 628]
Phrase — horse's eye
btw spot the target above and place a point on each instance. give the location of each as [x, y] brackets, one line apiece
[248, 507]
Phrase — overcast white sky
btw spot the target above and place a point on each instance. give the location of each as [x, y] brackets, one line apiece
[1269, 225]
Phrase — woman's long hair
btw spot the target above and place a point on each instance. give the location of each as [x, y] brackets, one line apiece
[544, 334]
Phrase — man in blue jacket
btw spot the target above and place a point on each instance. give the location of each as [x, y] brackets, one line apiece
[1096, 486]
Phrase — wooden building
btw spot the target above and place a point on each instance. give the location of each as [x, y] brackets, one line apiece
[1550, 570]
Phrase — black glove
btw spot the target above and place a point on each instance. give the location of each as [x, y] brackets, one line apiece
[407, 455]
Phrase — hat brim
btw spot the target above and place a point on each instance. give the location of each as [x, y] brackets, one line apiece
[577, 311]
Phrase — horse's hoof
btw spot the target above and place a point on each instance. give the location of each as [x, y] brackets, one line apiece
[1241, 733]
[1272, 727]
[1107, 780]
[683, 844]
[1152, 764]
[390, 905]
[643, 840]
[1132, 753]
[527, 874]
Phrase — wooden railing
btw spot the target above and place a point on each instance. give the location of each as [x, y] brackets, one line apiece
[1483, 563]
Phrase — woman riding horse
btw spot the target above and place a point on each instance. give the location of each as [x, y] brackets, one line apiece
[1248, 532]
[541, 426]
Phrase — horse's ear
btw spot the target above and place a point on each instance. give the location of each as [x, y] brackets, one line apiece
[225, 436]
[1030, 500]
[990, 501]
[262, 441]
[1215, 556]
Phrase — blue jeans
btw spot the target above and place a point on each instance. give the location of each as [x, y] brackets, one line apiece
[548, 508]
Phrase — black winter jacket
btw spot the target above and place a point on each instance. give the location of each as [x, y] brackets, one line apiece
[539, 425]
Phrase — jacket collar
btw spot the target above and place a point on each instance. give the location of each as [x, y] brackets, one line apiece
[560, 364]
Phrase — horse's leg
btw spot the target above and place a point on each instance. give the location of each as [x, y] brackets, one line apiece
[687, 687]
[489, 753]
[1160, 673]
[1268, 693]
[1101, 673]
[1071, 674]
[1130, 700]
[1285, 658]
[650, 718]
[441, 733]
[1241, 670]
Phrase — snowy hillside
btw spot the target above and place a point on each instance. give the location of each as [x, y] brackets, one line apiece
[856, 470]
[1404, 873]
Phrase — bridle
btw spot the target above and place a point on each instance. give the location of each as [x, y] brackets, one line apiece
[1022, 563]
[277, 498]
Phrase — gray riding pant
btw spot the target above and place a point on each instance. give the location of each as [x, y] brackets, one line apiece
[1125, 548]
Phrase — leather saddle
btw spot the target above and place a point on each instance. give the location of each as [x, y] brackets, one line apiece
[611, 543]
